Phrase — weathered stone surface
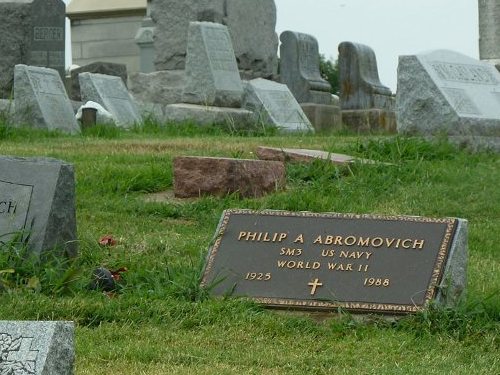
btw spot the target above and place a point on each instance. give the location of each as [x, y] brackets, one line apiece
[112, 94]
[301, 155]
[212, 76]
[323, 117]
[445, 92]
[370, 120]
[14, 23]
[37, 200]
[205, 115]
[41, 100]
[162, 87]
[274, 104]
[489, 30]
[144, 39]
[251, 26]
[198, 176]
[32, 34]
[37, 348]
[101, 67]
[299, 68]
[360, 86]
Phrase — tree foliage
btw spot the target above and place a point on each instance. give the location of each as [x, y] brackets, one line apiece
[329, 70]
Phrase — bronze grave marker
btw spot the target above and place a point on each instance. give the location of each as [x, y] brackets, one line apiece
[305, 260]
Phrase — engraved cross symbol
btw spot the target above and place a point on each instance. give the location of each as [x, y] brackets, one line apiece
[314, 284]
[24, 353]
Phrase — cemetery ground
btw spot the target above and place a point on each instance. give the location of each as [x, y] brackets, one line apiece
[158, 321]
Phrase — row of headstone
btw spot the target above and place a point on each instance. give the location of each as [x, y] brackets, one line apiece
[212, 80]
[33, 33]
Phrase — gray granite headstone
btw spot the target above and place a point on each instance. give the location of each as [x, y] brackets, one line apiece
[274, 104]
[360, 86]
[251, 25]
[111, 93]
[445, 92]
[212, 76]
[33, 33]
[37, 201]
[37, 348]
[41, 100]
[299, 68]
[48, 35]
[101, 67]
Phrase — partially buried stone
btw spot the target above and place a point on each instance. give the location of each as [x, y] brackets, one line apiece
[198, 176]
[37, 348]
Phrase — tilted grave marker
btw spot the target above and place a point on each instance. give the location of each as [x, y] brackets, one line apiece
[36, 348]
[445, 92]
[363, 263]
[112, 94]
[37, 204]
[212, 76]
[274, 104]
[41, 100]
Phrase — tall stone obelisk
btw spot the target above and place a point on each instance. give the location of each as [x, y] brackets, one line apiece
[489, 30]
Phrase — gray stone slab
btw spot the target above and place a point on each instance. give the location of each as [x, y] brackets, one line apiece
[445, 92]
[360, 86]
[112, 94]
[162, 87]
[41, 100]
[206, 115]
[33, 33]
[212, 76]
[299, 68]
[323, 117]
[37, 348]
[37, 200]
[101, 67]
[251, 26]
[274, 104]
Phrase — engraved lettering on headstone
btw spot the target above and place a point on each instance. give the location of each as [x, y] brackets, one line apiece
[14, 206]
[465, 73]
[46, 33]
[308, 58]
[16, 355]
[219, 50]
[283, 107]
[45, 83]
[461, 101]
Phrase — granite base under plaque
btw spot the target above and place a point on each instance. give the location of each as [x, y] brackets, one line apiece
[362, 263]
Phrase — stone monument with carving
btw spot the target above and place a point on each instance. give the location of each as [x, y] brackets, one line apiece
[365, 102]
[446, 93]
[300, 71]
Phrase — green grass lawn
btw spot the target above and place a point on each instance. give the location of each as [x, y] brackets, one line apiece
[160, 322]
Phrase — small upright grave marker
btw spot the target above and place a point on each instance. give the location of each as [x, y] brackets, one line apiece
[363, 263]
[41, 100]
[112, 94]
[36, 348]
[37, 202]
